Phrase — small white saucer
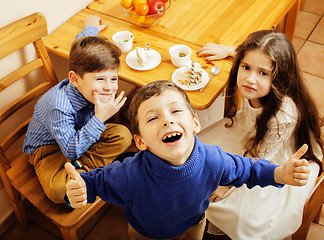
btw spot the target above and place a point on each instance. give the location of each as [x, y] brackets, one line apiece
[131, 60]
[178, 76]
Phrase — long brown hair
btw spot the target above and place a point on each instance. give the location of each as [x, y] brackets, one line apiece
[286, 81]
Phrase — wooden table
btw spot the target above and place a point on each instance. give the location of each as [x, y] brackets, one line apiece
[220, 21]
[59, 42]
[223, 25]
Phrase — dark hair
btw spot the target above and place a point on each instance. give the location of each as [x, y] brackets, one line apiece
[286, 81]
[149, 90]
[93, 54]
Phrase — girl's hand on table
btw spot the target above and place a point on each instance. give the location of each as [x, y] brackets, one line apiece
[215, 51]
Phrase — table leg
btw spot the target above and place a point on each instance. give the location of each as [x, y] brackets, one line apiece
[302, 4]
[291, 19]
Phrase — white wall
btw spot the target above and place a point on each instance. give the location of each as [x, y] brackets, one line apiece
[56, 13]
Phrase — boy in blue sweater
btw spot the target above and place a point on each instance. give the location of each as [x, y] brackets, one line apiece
[69, 120]
[165, 187]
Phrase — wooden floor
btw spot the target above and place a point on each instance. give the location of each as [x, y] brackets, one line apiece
[109, 224]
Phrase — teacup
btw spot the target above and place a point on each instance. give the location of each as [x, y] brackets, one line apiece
[124, 40]
[180, 55]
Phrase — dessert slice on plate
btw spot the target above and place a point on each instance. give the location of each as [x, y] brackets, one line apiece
[193, 74]
[143, 58]
[144, 55]
[191, 77]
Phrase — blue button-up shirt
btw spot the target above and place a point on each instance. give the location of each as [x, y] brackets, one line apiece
[63, 116]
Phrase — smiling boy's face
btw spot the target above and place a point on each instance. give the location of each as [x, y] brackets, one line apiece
[167, 127]
[104, 82]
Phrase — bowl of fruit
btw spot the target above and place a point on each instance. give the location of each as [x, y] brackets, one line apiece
[145, 13]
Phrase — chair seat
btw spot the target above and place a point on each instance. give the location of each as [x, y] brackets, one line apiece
[23, 177]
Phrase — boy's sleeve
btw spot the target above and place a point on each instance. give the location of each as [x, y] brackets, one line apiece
[88, 31]
[110, 183]
[73, 143]
[239, 170]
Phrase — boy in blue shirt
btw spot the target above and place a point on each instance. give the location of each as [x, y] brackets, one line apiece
[69, 120]
[165, 187]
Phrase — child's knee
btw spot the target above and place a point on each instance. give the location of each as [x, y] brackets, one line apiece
[56, 193]
[118, 132]
[54, 188]
[125, 134]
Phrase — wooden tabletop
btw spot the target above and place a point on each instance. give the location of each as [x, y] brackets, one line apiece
[221, 21]
[189, 22]
[60, 40]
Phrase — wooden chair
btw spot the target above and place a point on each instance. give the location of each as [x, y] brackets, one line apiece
[16, 173]
[312, 209]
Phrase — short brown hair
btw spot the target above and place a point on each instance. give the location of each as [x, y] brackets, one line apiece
[155, 88]
[93, 54]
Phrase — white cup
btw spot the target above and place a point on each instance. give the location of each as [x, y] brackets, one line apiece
[180, 55]
[124, 40]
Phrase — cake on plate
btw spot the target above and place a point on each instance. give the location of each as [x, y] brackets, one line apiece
[192, 74]
[144, 55]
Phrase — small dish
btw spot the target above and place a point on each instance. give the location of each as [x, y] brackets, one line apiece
[131, 60]
[176, 52]
[124, 40]
[179, 75]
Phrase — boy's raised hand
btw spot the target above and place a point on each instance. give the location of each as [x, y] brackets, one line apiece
[106, 108]
[76, 189]
[295, 171]
[94, 21]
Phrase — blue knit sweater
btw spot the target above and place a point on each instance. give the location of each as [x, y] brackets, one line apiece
[161, 200]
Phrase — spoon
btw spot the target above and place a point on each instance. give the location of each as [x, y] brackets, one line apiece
[214, 71]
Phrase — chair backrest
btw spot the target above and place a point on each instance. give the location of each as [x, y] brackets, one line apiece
[312, 209]
[19, 90]
[13, 37]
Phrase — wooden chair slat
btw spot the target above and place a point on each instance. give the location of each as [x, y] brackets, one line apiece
[20, 72]
[48, 69]
[23, 100]
[22, 33]
[14, 135]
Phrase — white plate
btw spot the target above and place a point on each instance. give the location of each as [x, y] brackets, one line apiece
[131, 60]
[179, 75]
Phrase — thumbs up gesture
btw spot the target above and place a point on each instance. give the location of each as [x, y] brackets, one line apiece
[76, 189]
[295, 171]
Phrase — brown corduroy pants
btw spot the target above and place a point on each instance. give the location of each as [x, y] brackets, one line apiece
[48, 160]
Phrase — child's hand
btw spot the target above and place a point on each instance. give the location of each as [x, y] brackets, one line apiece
[215, 51]
[105, 109]
[75, 189]
[295, 171]
[219, 193]
[94, 21]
